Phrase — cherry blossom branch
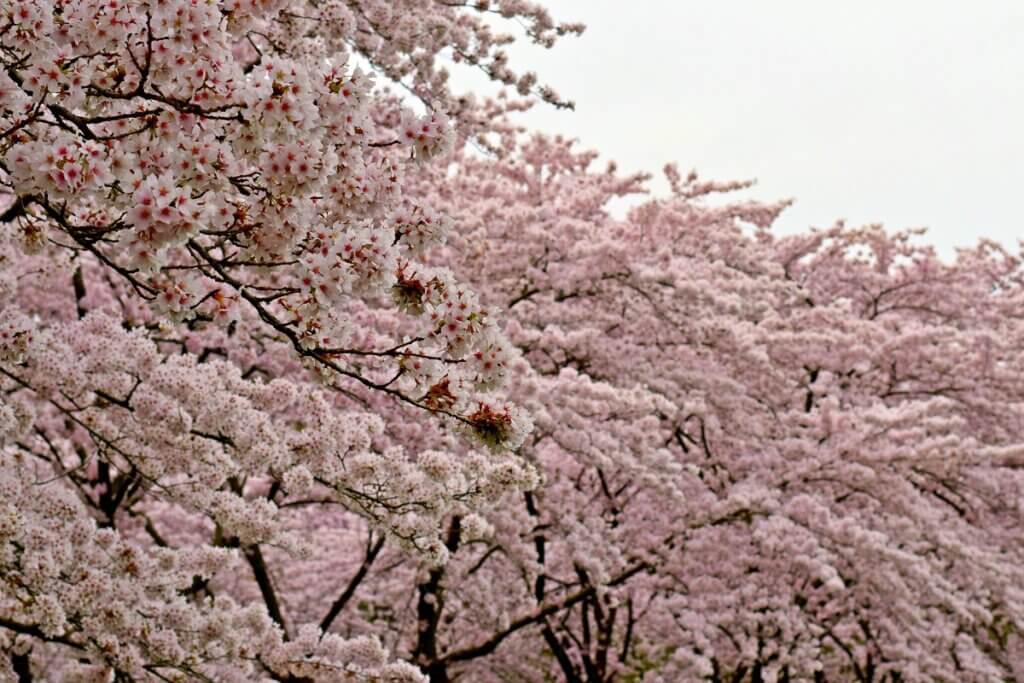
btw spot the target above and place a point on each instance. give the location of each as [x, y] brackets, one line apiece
[36, 632]
[373, 548]
[254, 556]
[490, 644]
[317, 355]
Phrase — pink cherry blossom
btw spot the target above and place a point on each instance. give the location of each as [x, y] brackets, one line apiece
[306, 379]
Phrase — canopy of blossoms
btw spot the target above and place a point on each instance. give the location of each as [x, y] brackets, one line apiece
[313, 369]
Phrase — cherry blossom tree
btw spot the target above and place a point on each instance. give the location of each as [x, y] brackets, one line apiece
[763, 458]
[309, 379]
[205, 302]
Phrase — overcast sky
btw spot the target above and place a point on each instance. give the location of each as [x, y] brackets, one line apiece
[905, 112]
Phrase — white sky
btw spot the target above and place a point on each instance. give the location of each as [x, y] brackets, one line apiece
[905, 112]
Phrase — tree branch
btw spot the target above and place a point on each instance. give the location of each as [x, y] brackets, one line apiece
[491, 644]
[346, 595]
[262, 575]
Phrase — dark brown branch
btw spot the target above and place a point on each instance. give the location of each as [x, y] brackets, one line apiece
[78, 282]
[15, 210]
[350, 590]
[36, 632]
[428, 610]
[262, 575]
[557, 648]
[491, 644]
[21, 665]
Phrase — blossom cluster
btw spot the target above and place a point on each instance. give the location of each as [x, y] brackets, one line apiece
[226, 164]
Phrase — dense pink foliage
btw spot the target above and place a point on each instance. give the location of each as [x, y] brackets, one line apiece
[810, 447]
[302, 385]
